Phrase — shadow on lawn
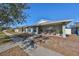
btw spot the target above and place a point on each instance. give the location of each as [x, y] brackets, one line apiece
[4, 39]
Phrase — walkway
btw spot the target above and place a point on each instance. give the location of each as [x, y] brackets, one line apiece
[8, 34]
[13, 38]
[39, 51]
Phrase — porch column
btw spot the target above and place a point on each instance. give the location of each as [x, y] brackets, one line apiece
[63, 30]
[31, 30]
[26, 30]
[36, 30]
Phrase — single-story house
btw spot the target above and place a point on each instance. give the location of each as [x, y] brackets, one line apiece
[44, 26]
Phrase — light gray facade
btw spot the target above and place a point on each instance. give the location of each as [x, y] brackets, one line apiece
[57, 27]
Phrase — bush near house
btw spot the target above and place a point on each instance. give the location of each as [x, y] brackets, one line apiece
[59, 31]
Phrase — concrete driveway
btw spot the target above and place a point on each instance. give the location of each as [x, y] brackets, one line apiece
[39, 51]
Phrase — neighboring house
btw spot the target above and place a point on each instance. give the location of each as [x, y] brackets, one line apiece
[43, 26]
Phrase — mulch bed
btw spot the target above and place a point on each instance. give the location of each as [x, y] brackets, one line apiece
[16, 51]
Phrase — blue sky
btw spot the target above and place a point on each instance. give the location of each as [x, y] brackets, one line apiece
[51, 11]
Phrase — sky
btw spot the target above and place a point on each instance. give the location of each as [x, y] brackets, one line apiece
[52, 12]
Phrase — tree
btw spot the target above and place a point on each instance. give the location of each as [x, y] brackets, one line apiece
[12, 13]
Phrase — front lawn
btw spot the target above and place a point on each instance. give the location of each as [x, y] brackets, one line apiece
[4, 38]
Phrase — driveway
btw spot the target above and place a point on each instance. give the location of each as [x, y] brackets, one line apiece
[39, 51]
[7, 46]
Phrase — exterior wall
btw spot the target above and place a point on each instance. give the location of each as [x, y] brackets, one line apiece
[55, 29]
[26, 29]
[33, 30]
[58, 29]
[29, 30]
[20, 30]
[68, 31]
[16, 30]
[36, 30]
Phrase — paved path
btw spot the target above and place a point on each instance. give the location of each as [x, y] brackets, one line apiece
[13, 38]
[8, 34]
[39, 51]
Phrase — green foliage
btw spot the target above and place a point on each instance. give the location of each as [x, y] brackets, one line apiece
[4, 38]
[11, 13]
[0, 28]
[59, 31]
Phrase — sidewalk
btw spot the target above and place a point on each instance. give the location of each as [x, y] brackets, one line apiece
[8, 34]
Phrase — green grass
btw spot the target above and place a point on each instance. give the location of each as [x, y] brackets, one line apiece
[1, 32]
[4, 38]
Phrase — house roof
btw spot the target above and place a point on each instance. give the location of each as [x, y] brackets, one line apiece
[43, 21]
[63, 22]
[46, 22]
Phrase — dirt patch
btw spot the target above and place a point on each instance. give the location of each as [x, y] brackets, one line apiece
[16, 51]
[73, 37]
[68, 47]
